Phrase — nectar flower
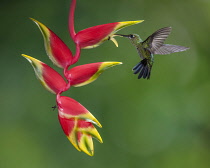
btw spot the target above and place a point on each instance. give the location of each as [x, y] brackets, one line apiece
[77, 123]
[48, 77]
[56, 49]
[96, 35]
[84, 74]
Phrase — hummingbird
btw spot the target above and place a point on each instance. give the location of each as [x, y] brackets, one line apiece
[154, 44]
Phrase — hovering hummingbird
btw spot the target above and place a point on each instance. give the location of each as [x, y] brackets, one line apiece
[151, 46]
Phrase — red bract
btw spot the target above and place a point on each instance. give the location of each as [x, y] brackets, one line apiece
[48, 77]
[56, 49]
[68, 108]
[85, 74]
[94, 36]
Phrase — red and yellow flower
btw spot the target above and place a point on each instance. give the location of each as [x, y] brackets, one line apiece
[96, 35]
[76, 121]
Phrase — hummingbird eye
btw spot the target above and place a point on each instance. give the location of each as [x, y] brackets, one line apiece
[131, 36]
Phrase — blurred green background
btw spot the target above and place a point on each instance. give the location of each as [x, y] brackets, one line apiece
[163, 122]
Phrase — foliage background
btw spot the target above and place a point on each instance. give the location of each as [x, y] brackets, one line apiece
[159, 123]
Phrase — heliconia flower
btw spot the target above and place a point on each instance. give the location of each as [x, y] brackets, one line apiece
[56, 49]
[96, 35]
[48, 77]
[84, 74]
[77, 123]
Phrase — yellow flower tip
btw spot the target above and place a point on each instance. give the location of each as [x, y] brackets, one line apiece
[132, 22]
[101, 141]
[42, 27]
[86, 144]
[98, 137]
[74, 142]
[90, 153]
[96, 122]
[139, 21]
[31, 59]
[32, 19]
[94, 133]
[35, 21]
[26, 56]
[126, 24]
[106, 65]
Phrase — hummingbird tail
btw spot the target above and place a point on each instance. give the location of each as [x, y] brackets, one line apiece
[143, 69]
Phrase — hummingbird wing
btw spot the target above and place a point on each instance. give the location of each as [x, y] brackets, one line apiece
[156, 40]
[168, 49]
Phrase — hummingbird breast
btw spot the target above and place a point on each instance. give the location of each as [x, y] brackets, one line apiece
[143, 52]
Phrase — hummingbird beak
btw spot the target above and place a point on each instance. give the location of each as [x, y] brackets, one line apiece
[121, 35]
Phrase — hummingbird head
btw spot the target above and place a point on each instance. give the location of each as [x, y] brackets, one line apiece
[134, 38]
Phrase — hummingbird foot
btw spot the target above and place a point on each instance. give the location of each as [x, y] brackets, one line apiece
[143, 69]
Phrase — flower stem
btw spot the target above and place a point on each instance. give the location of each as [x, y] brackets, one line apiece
[65, 75]
[77, 54]
[71, 19]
